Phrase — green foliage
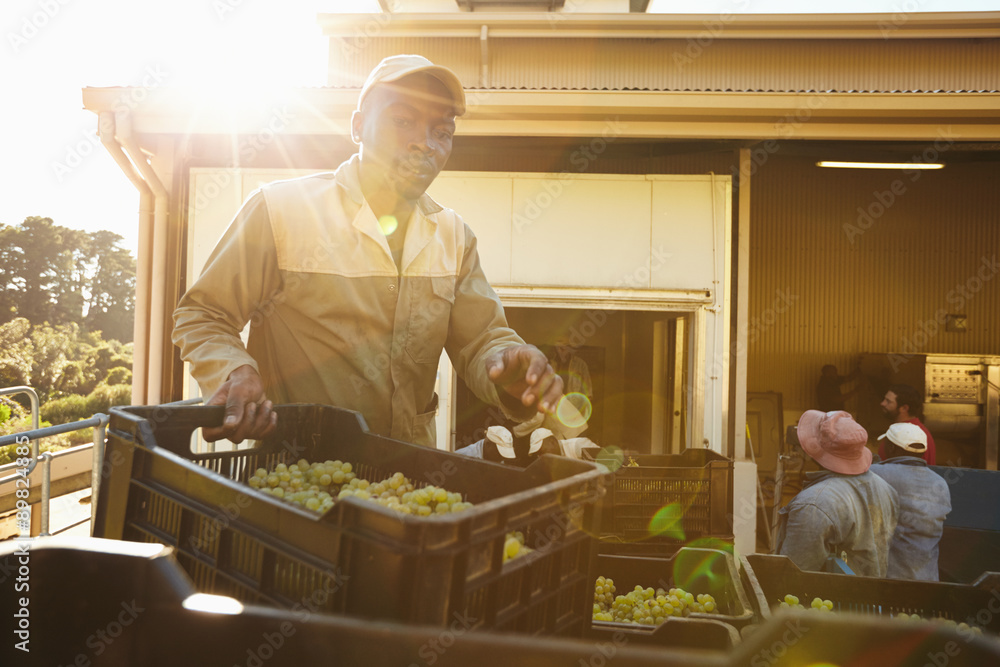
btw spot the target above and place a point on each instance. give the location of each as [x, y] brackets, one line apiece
[119, 375]
[51, 444]
[10, 411]
[20, 421]
[16, 353]
[105, 396]
[61, 288]
[60, 360]
[75, 407]
[66, 409]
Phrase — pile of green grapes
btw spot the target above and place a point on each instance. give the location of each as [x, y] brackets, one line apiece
[514, 546]
[644, 606]
[818, 604]
[962, 627]
[315, 486]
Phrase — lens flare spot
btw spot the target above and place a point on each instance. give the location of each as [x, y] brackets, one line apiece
[574, 410]
[668, 522]
[611, 457]
[712, 543]
[700, 569]
[388, 224]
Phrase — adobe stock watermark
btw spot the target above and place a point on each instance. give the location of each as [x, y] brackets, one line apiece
[883, 200]
[34, 23]
[313, 603]
[569, 7]
[99, 641]
[757, 326]
[696, 45]
[78, 151]
[785, 127]
[982, 618]
[565, 521]
[223, 8]
[901, 14]
[247, 150]
[432, 650]
[372, 29]
[582, 157]
[605, 652]
[957, 297]
[770, 655]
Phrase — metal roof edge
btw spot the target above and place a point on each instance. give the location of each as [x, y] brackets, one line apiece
[890, 25]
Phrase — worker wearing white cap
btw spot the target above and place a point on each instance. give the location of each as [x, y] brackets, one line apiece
[924, 502]
[355, 281]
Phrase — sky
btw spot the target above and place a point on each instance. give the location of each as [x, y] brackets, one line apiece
[51, 162]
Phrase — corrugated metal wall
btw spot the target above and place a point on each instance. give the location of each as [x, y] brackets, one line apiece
[927, 65]
[851, 261]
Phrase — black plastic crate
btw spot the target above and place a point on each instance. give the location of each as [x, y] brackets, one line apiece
[768, 578]
[278, 638]
[86, 598]
[688, 634]
[687, 496]
[357, 558]
[107, 603]
[798, 638]
[695, 570]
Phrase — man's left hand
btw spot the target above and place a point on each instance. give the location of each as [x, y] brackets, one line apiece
[524, 373]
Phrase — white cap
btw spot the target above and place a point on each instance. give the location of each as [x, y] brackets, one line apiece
[503, 440]
[907, 436]
[395, 68]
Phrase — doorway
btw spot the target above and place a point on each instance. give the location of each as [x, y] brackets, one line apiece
[632, 365]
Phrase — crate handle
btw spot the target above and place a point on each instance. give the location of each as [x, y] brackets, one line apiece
[184, 419]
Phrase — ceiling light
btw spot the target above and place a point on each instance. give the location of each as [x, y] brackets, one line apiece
[880, 165]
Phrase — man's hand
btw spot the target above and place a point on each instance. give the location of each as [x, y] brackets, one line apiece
[524, 373]
[248, 412]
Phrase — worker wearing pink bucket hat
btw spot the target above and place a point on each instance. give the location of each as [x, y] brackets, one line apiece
[835, 441]
[843, 511]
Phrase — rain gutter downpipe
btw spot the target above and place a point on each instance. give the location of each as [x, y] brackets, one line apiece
[155, 250]
[143, 269]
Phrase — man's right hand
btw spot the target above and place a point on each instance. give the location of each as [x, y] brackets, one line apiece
[248, 412]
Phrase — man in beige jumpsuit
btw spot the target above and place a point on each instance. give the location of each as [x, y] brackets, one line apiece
[354, 281]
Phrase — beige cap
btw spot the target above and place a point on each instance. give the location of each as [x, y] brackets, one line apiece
[907, 436]
[395, 68]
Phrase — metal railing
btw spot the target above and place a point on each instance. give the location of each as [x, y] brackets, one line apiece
[33, 395]
[98, 422]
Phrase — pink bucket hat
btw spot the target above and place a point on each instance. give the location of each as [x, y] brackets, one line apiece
[835, 441]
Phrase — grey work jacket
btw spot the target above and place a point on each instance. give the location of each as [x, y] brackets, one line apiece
[924, 502]
[835, 514]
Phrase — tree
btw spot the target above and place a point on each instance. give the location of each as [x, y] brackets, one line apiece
[35, 255]
[55, 275]
[112, 289]
[16, 353]
[10, 271]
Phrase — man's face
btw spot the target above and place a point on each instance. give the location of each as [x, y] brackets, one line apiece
[405, 129]
[889, 406]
